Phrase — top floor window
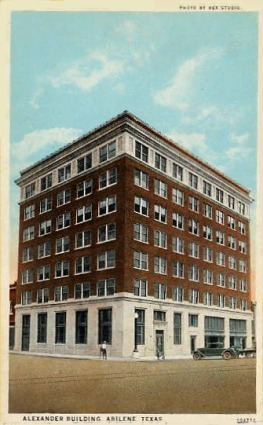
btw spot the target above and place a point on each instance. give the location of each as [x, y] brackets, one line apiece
[141, 151]
[30, 190]
[160, 162]
[219, 195]
[64, 173]
[231, 202]
[207, 188]
[84, 163]
[108, 151]
[46, 182]
[177, 172]
[193, 180]
[241, 208]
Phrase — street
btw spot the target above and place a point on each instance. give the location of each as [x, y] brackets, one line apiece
[60, 385]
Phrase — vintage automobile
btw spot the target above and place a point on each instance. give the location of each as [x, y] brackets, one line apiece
[225, 353]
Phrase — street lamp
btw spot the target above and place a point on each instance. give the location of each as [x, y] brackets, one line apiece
[136, 315]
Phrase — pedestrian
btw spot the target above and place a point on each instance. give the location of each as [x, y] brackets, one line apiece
[104, 350]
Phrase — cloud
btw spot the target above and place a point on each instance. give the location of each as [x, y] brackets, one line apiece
[87, 73]
[240, 150]
[179, 91]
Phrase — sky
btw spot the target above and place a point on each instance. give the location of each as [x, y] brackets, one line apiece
[191, 76]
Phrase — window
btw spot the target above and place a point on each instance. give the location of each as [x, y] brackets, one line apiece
[43, 273]
[107, 205]
[140, 260]
[160, 265]
[193, 180]
[208, 254]
[160, 291]
[83, 239]
[42, 295]
[84, 163]
[105, 325]
[208, 298]
[64, 173]
[214, 324]
[178, 196]
[141, 179]
[106, 260]
[193, 204]
[61, 293]
[27, 254]
[193, 250]
[46, 182]
[140, 287]
[45, 227]
[108, 151]
[26, 297]
[233, 303]
[81, 327]
[208, 277]
[29, 212]
[220, 259]
[221, 300]
[231, 242]
[207, 232]
[140, 232]
[30, 190]
[160, 162]
[63, 221]
[159, 315]
[177, 172]
[221, 279]
[220, 195]
[178, 220]
[231, 202]
[178, 245]
[220, 237]
[220, 217]
[27, 276]
[107, 232]
[178, 269]
[232, 282]
[63, 197]
[207, 188]
[242, 227]
[140, 327]
[177, 329]
[160, 188]
[83, 265]
[84, 213]
[232, 264]
[243, 285]
[193, 227]
[45, 205]
[194, 273]
[193, 320]
[231, 222]
[106, 287]
[82, 290]
[29, 233]
[141, 151]
[62, 245]
[193, 296]
[241, 208]
[178, 294]
[160, 239]
[62, 269]
[42, 328]
[242, 266]
[243, 304]
[108, 178]
[84, 188]
[208, 211]
[60, 336]
[141, 206]
[242, 246]
[160, 213]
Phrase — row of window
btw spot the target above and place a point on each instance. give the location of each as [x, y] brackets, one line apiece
[189, 178]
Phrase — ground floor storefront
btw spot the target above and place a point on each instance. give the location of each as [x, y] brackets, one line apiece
[131, 327]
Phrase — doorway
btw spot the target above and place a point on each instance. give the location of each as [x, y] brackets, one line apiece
[193, 343]
[159, 338]
[25, 332]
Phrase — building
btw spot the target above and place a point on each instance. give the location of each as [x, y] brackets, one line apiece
[12, 319]
[125, 237]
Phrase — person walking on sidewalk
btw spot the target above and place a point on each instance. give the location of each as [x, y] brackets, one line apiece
[104, 350]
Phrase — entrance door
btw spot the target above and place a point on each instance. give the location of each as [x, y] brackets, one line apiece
[25, 332]
[159, 344]
[193, 343]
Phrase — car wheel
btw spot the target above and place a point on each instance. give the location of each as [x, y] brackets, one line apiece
[227, 355]
[196, 356]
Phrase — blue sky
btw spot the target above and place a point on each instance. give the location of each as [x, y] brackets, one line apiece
[192, 76]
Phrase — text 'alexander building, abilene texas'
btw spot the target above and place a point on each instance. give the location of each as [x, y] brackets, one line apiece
[125, 237]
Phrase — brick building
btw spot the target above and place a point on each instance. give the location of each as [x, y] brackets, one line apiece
[12, 318]
[125, 237]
